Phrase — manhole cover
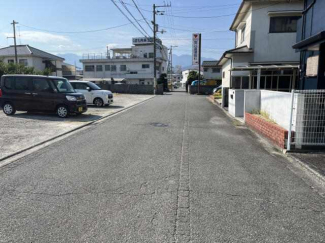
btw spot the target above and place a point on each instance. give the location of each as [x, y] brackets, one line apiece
[157, 124]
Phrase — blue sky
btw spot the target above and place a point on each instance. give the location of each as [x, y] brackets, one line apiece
[41, 24]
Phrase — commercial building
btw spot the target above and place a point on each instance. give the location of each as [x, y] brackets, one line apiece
[32, 57]
[311, 44]
[134, 65]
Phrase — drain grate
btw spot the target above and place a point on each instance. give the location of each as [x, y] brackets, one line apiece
[157, 124]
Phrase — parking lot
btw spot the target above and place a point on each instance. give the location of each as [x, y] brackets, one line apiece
[24, 130]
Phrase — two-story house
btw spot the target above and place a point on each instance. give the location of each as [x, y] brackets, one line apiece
[32, 57]
[134, 65]
[211, 71]
[311, 44]
[263, 57]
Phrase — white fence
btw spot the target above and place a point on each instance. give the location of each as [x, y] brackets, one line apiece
[308, 119]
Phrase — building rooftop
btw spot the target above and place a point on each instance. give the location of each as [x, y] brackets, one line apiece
[244, 8]
[26, 50]
[210, 63]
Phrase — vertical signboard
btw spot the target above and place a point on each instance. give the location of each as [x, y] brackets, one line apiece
[196, 45]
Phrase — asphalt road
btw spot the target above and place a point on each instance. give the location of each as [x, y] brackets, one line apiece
[172, 169]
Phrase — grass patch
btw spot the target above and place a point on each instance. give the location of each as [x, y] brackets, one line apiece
[264, 115]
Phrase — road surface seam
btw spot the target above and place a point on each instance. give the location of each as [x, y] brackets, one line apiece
[183, 224]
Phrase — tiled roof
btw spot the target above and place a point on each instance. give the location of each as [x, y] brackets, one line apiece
[26, 50]
[210, 63]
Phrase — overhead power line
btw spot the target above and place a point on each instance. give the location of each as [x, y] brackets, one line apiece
[126, 8]
[142, 14]
[127, 17]
[75, 32]
[219, 16]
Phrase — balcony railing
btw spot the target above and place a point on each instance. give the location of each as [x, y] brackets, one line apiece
[95, 56]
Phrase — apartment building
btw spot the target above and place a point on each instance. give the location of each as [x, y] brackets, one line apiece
[134, 65]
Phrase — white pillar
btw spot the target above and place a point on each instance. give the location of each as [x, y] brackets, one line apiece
[259, 79]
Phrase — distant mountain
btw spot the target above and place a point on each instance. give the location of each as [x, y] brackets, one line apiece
[71, 59]
[186, 61]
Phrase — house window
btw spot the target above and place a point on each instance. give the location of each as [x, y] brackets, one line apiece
[223, 74]
[243, 34]
[11, 61]
[123, 68]
[23, 62]
[107, 67]
[283, 24]
[145, 55]
[113, 68]
[216, 70]
[145, 65]
[89, 68]
[150, 55]
[99, 68]
[206, 69]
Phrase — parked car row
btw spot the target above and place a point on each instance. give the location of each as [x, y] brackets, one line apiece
[50, 94]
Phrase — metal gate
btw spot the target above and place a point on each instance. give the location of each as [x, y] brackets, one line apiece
[307, 121]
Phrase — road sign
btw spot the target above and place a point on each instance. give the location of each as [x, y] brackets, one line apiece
[196, 45]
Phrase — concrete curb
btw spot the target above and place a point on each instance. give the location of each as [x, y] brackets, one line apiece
[305, 166]
[71, 131]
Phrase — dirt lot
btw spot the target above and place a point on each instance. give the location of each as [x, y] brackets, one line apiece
[27, 129]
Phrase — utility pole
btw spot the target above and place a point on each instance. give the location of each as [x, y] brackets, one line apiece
[171, 66]
[154, 50]
[14, 27]
[155, 30]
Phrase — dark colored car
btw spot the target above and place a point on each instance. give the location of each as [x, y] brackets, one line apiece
[40, 93]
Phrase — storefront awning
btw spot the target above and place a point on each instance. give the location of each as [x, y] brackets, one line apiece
[264, 67]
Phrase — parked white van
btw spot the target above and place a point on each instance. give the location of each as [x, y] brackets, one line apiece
[94, 94]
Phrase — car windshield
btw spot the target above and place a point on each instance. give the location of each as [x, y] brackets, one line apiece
[63, 86]
[93, 86]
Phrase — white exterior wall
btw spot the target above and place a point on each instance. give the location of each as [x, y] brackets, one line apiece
[211, 75]
[278, 106]
[272, 47]
[37, 63]
[248, 21]
[133, 64]
[226, 74]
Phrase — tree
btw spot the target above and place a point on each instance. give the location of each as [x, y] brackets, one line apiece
[12, 68]
[192, 76]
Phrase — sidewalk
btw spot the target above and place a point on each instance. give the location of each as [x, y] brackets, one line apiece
[315, 161]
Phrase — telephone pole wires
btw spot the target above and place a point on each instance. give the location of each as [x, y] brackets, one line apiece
[155, 31]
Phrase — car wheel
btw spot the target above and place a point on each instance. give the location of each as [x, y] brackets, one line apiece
[9, 109]
[98, 102]
[62, 111]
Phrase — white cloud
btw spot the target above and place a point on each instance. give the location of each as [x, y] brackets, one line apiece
[41, 37]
